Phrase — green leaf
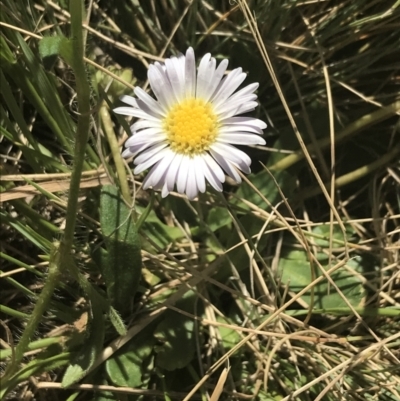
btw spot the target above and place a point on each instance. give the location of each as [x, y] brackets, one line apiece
[6, 55]
[229, 337]
[122, 268]
[267, 187]
[56, 46]
[157, 231]
[218, 217]
[117, 322]
[176, 334]
[101, 80]
[321, 235]
[90, 349]
[128, 366]
[296, 272]
[104, 396]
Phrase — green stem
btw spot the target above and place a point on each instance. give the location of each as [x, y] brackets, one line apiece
[116, 153]
[355, 174]
[345, 311]
[346, 133]
[12, 312]
[82, 130]
[40, 309]
[21, 264]
[31, 369]
[35, 345]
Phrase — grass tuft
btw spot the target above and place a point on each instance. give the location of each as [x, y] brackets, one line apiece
[285, 287]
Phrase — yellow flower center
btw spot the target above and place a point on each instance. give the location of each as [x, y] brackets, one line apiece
[191, 126]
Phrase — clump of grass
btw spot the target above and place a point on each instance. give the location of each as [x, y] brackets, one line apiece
[286, 287]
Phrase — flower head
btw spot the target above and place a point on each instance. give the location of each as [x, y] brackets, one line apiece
[186, 135]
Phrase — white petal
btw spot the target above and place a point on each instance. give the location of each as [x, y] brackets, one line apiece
[231, 129]
[211, 177]
[174, 74]
[147, 109]
[149, 162]
[215, 80]
[229, 104]
[129, 100]
[243, 108]
[247, 90]
[191, 184]
[147, 180]
[202, 78]
[139, 139]
[144, 143]
[214, 167]
[199, 171]
[173, 171]
[182, 175]
[246, 107]
[142, 124]
[241, 138]
[227, 166]
[145, 183]
[134, 150]
[146, 133]
[231, 153]
[179, 63]
[160, 169]
[150, 153]
[149, 101]
[160, 85]
[255, 122]
[228, 86]
[164, 191]
[130, 111]
[209, 73]
[190, 73]
[127, 153]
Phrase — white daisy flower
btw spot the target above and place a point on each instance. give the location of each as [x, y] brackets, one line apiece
[186, 135]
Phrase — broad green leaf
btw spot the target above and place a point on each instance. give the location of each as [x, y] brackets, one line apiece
[90, 349]
[296, 273]
[157, 231]
[128, 366]
[122, 268]
[267, 187]
[321, 236]
[229, 337]
[218, 217]
[176, 334]
[102, 80]
[176, 331]
[56, 46]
